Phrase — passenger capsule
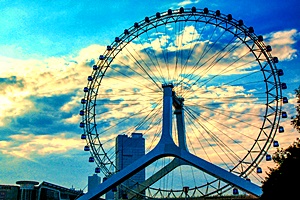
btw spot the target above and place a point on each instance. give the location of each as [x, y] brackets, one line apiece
[284, 114]
[268, 157]
[90, 78]
[157, 15]
[95, 67]
[251, 29]
[108, 48]
[229, 17]
[101, 57]
[259, 170]
[83, 101]
[275, 144]
[170, 12]
[81, 125]
[275, 60]
[235, 191]
[81, 112]
[194, 9]
[126, 32]
[97, 170]
[240, 22]
[86, 148]
[181, 10]
[281, 129]
[147, 19]
[260, 38]
[218, 13]
[85, 89]
[117, 39]
[283, 86]
[285, 100]
[136, 25]
[280, 72]
[268, 48]
[83, 136]
[205, 10]
[91, 159]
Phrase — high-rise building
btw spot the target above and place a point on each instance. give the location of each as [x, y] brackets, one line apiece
[128, 150]
[93, 182]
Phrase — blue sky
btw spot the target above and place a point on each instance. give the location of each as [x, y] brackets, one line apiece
[47, 49]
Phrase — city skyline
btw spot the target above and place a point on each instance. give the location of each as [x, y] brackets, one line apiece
[47, 51]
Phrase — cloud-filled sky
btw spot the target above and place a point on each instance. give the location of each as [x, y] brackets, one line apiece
[48, 48]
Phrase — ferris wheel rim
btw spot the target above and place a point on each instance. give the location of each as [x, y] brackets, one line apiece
[108, 56]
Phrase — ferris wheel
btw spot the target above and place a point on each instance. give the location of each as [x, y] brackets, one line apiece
[205, 64]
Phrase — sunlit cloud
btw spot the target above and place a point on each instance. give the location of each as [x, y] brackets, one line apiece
[187, 2]
[51, 49]
[282, 43]
[56, 76]
[231, 125]
[52, 76]
[30, 146]
[119, 96]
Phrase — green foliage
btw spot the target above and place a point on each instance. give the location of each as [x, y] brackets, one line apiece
[282, 181]
[296, 119]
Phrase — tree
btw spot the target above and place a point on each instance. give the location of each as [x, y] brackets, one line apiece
[282, 181]
[296, 119]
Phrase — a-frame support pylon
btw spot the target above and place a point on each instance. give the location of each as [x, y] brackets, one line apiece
[166, 147]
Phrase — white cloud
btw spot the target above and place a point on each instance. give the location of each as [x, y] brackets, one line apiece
[282, 44]
[75, 119]
[55, 76]
[52, 76]
[29, 146]
[187, 2]
[283, 37]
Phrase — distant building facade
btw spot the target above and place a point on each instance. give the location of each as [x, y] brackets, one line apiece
[9, 192]
[128, 150]
[32, 190]
[93, 182]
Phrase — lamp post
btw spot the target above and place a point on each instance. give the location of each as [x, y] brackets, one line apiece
[186, 190]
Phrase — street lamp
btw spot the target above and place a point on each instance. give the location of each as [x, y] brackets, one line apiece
[186, 190]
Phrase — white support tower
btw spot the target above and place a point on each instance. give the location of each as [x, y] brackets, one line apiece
[166, 147]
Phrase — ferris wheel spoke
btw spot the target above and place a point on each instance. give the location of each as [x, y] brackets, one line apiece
[124, 119]
[205, 50]
[230, 154]
[192, 74]
[238, 159]
[152, 56]
[194, 129]
[143, 66]
[153, 79]
[191, 50]
[207, 132]
[221, 125]
[221, 72]
[227, 114]
[148, 120]
[130, 80]
[191, 144]
[164, 55]
[225, 71]
[215, 60]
